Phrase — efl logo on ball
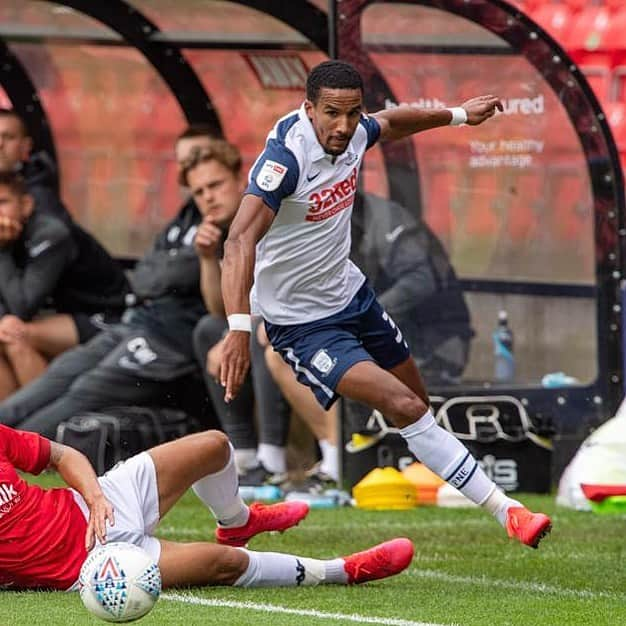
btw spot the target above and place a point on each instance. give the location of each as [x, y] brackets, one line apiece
[119, 582]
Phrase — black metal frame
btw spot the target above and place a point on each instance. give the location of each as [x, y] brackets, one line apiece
[600, 399]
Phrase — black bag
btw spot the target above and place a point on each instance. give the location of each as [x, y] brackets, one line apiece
[106, 438]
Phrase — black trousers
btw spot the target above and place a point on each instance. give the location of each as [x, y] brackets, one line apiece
[120, 366]
[237, 417]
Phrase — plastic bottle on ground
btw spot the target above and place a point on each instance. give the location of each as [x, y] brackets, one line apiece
[263, 492]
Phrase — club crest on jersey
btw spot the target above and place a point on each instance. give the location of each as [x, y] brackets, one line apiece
[8, 498]
[271, 175]
[351, 158]
[323, 362]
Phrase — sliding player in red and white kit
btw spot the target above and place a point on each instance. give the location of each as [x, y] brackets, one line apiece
[45, 533]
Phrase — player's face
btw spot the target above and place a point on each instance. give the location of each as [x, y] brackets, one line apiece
[335, 117]
[215, 190]
[14, 144]
[184, 147]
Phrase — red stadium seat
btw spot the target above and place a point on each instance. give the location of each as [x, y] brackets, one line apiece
[575, 5]
[618, 84]
[614, 38]
[554, 18]
[587, 32]
[527, 6]
[616, 117]
[600, 78]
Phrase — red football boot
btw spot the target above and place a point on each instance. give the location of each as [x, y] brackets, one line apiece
[385, 559]
[530, 528]
[264, 518]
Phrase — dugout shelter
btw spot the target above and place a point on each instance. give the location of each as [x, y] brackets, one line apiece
[530, 207]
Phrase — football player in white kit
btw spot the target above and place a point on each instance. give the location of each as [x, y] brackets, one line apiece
[291, 238]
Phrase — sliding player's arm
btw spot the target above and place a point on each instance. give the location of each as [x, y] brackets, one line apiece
[76, 470]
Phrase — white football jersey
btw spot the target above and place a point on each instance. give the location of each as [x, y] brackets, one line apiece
[302, 270]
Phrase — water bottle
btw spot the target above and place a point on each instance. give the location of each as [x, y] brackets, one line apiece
[314, 500]
[504, 365]
[262, 492]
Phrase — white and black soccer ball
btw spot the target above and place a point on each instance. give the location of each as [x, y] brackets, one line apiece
[119, 582]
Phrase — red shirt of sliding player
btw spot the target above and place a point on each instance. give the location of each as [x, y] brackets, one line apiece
[42, 531]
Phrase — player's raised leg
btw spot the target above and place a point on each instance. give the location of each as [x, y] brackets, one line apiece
[210, 564]
[205, 462]
[398, 395]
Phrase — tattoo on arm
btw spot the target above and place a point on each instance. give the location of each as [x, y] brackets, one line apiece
[56, 453]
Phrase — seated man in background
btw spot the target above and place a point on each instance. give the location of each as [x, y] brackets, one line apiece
[48, 263]
[211, 183]
[127, 503]
[413, 279]
[45, 253]
[37, 168]
[142, 360]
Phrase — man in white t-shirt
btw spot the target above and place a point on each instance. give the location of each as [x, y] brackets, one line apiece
[320, 313]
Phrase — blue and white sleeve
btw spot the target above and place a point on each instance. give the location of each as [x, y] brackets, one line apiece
[372, 127]
[274, 175]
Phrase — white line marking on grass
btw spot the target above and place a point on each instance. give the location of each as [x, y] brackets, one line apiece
[516, 585]
[274, 608]
[410, 525]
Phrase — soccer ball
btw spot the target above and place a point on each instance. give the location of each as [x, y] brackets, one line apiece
[119, 582]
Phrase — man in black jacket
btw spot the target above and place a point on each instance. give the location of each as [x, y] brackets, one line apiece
[46, 260]
[416, 284]
[140, 361]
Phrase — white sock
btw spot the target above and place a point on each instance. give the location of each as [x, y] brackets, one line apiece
[273, 458]
[245, 459]
[330, 459]
[220, 493]
[445, 455]
[272, 569]
[498, 504]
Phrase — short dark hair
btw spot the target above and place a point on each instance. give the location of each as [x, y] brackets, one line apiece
[200, 130]
[217, 150]
[4, 112]
[15, 183]
[332, 75]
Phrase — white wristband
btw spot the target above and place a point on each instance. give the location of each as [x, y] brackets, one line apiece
[240, 321]
[459, 116]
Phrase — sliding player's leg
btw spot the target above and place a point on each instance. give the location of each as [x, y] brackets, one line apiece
[187, 564]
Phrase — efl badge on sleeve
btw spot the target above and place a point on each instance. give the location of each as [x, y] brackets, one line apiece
[271, 175]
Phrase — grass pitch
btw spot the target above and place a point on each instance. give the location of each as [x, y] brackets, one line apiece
[465, 571]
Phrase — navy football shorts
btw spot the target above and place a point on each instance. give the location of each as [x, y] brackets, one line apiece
[321, 352]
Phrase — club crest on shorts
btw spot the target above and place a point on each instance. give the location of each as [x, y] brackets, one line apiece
[271, 175]
[323, 362]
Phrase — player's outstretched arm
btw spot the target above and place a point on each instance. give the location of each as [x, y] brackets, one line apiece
[251, 222]
[406, 120]
[76, 470]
